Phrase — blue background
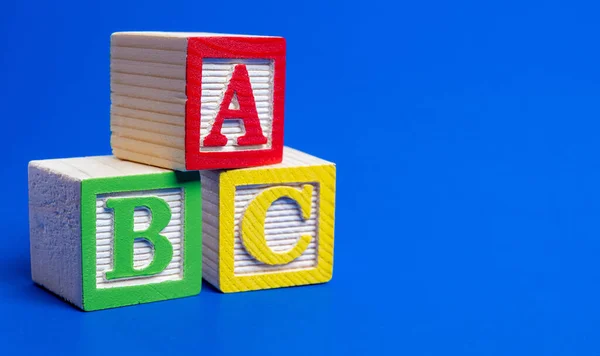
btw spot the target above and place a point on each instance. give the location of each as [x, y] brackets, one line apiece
[466, 140]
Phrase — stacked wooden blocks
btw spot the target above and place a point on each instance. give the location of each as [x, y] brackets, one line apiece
[200, 184]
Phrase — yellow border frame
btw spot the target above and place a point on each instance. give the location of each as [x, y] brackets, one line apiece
[324, 175]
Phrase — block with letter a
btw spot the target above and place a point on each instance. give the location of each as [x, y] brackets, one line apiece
[107, 233]
[192, 101]
[269, 227]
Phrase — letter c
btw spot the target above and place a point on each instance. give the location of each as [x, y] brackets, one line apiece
[253, 224]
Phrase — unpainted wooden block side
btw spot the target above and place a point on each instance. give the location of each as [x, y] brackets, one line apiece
[148, 98]
[210, 227]
[55, 229]
[173, 41]
[144, 134]
[148, 106]
[148, 93]
[147, 80]
[147, 153]
[147, 126]
[147, 116]
[148, 159]
[148, 55]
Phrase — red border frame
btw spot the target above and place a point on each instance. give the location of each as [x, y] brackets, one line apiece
[232, 47]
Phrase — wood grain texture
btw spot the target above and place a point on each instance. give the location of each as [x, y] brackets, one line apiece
[179, 79]
[148, 98]
[72, 231]
[227, 194]
[55, 229]
[210, 230]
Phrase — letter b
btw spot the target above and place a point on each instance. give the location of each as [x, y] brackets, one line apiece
[125, 236]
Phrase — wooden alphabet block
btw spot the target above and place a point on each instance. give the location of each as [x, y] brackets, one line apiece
[107, 233]
[269, 227]
[191, 101]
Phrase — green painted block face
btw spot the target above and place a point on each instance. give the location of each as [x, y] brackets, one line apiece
[141, 239]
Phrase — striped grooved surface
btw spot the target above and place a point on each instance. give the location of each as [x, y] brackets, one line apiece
[148, 99]
[216, 74]
[143, 250]
[210, 227]
[283, 227]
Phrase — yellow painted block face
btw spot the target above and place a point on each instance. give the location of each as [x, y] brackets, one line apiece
[275, 225]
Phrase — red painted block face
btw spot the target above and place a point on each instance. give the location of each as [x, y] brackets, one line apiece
[235, 95]
[193, 101]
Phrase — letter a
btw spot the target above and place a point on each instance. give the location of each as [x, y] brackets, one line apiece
[240, 86]
[124, 236]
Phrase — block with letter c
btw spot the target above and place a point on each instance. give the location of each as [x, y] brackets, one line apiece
[269, 227]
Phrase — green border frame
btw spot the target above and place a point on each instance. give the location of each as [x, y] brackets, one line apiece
[95, 299]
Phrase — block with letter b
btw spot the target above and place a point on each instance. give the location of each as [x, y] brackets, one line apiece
[269, 227]
[191, 101]
[108, 233]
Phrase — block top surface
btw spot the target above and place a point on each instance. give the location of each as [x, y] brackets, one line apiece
[83, 168]
[158, 34]
[295, 158]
